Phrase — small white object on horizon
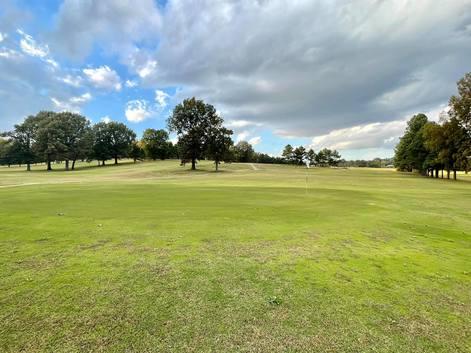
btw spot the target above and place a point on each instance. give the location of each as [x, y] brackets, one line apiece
[308, 163]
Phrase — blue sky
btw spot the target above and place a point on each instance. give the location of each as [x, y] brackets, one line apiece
[340, 74]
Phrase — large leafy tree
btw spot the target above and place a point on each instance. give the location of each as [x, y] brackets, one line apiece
[112, 141]
[156, 144]
[193, 121]
[461, 111]
[411, 152]
[219, 144]
[243, 152]
[24, 137]
[51, 139]
[74, 136]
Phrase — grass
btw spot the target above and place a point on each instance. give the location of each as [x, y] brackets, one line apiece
[155, 258]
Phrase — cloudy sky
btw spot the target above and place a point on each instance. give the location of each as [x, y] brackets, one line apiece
[343, 74]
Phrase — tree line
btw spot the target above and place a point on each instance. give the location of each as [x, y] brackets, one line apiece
[299, 155]
[65, 137]
[430, 147]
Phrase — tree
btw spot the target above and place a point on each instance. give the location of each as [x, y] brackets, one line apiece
[243, 152]
[193, 120]
[311, 156]
[287, 153]
[137, 151]
[333, 158]
[24, 137]
[112, 140]
[461, 104]
[219, 144]
[7, 153]
[77, 136]
[51, 139]
[435, 144]
[299, 154]
[411, 152]
[156, 144]
[461, 111]
[322, 157]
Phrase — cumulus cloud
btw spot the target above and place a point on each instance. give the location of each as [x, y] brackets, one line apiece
[390, 58]
[72, 104]
[74, 81]
[255, 140]
[131, 83]
[242, 136]
[103, 77]
[112, 25]
[138, 110]
[374, 135]
[106, 119]
[161, 98]
[2, 36]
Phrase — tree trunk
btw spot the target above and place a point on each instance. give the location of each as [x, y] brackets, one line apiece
[454, 174]
[28, 167]
[442, 173]
[217, 165]
[436, 173]
[73, 164]
[193, 164]
[448, 173]
[103, 162]
[67, 164]
[115, 160]
[49, 167]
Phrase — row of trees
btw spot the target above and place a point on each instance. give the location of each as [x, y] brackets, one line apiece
[299, 155]
[430, 147]
[68, 137]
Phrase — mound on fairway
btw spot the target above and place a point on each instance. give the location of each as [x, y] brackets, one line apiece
[154, 258]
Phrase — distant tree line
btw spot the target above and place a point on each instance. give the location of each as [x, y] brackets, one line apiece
[299, 155]
[373, 163]
[429, 147]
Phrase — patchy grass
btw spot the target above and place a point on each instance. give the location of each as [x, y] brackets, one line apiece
[155, 258]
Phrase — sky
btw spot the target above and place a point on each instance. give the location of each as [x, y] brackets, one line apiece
[342, 74]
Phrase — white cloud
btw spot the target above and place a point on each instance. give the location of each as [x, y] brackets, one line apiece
[161, 98]
[255, 140]
[148, 69]
[106, 119]
[131, 83]
[112, 25]
[390, 58]
[242, 136]
[361, 136]
[74, 81]
[103, 77]
[241, 123]
[30, 47]
[2, 36]
[9, 53]
[72, 104]
[138, 110]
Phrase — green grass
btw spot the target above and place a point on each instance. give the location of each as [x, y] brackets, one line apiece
[155, 258]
